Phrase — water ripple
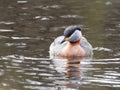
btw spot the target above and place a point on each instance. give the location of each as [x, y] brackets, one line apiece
[32, 82]
[48, 7]
[71, 16]
[63, 72]
[22, 1]
[102, 49]
[43, 18]
[16, 44]
[2, 37]
[6, 30]
[20, 37]
[6, 23]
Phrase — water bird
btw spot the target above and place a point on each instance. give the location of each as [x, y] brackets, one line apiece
[71, 44]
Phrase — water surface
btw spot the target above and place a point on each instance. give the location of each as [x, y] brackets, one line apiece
[27, 27]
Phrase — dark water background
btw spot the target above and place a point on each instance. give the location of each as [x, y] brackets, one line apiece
[27, 27]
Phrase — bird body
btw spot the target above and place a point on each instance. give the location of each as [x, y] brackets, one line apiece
[71, 44]
[72, 50]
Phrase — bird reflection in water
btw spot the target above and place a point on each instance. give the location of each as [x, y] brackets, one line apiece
[72, 70]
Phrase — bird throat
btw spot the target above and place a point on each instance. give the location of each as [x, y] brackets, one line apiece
[74, 43]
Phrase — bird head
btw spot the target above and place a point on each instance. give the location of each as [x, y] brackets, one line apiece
[72, 34]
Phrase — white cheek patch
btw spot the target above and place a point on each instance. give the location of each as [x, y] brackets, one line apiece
[75, 36]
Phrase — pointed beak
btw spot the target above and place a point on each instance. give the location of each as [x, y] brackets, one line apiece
[65, 39]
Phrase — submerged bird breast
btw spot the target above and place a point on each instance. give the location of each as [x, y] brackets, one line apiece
[73, 51]
[62, 49]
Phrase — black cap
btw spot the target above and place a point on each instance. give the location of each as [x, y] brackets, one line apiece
[69, 30]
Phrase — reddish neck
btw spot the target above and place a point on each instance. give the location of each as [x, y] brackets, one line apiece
[73, 49]
[74, 43]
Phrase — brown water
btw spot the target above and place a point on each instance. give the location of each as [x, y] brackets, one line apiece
[27, 27]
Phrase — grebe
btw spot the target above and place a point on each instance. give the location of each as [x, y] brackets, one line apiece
[71, 44]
